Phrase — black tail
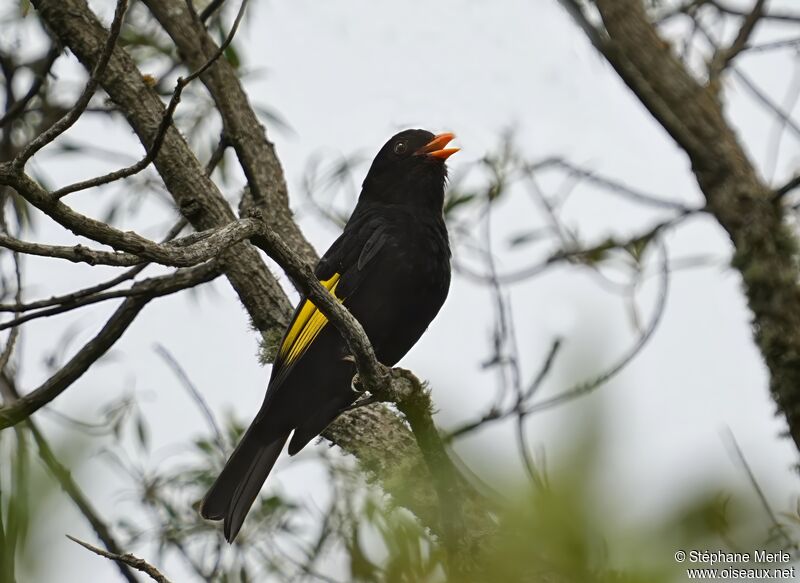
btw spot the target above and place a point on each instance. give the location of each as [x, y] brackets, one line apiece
[236, 488]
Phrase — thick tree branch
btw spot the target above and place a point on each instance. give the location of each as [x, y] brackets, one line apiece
[241, 125]
[197, 197]
[376, 436]
[766, 251]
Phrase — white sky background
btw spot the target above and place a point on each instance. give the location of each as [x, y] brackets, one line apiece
[346, 75]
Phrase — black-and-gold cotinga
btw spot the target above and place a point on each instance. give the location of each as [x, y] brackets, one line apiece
[391, 269]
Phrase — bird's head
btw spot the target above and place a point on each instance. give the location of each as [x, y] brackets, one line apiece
[410, 170]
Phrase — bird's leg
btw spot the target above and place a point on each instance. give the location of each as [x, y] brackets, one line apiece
[355, 384]
[357, 387]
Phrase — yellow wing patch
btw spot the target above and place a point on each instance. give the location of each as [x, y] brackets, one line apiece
[308, 324]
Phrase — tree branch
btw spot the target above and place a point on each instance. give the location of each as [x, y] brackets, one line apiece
[127, 559]
[376, 436]
[726, 8]
[111, 332]
[89, 291]
[166, 122]
[766, 251]
[68, 484]
[73, 114]
[197, 197]
[723, 58]
[241, 126]
[17, 108]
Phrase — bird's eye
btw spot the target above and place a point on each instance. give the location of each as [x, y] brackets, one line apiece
[400, 147]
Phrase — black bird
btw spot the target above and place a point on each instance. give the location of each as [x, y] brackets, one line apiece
[391, 269]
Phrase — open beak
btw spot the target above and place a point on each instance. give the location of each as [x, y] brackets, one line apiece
[436, 147]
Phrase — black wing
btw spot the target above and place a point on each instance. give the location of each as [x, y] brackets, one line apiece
[341, 270]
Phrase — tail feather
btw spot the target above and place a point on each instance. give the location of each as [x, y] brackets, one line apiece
[236, 488]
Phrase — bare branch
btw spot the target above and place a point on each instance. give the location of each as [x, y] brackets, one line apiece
[612, 185]
[64, 477]
[767, 102]
[205, 246]
[141, 288]
[736, 196]
[603, 378]
[73, 114]
[723, 58]
[76, 295]
[166, 122]
[99, 345]
[241, 125]
[195, 394]
[726, 8]
[577, 254]
[788, 187]
[128, 559]
[197, 197]
[522, 407]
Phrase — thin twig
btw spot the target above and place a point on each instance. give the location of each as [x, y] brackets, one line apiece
[751, 477]
[496, 413]
[735, 11]
[613, 186]
[522, 408]
[64, 477]
[128, 559]
[544, 370]
[195, 394]
[89, 291]
[788, 187]
[767, 101]
[577, 255]
[75, 112]
[164, 126]
[590, 386]
[101, 343]
[18, 107]
[725, 57]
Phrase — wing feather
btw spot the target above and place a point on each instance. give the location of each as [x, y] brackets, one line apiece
[306, 326]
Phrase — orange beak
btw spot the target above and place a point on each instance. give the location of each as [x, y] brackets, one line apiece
[436, 147]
